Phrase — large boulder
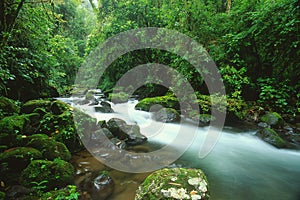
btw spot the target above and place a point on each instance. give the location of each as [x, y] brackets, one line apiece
[98, 185]
[174, 183]
[57, 173]
[16, 159]
[130, 133]
[31, 105]
[273, 119]
[167, 115]
[50, 148]
[271, 136]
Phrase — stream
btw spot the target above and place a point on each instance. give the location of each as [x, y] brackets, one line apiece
[240, 166]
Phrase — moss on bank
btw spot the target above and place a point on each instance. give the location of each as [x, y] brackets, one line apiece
[174, 183]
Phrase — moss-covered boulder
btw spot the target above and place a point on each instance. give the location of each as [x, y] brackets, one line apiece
[166, 115]
[58, 107]
[8, 107]
[31, 105]
[57, 173]
[69, 192]
[14, 124]
[273, 119]
[50, 148]
[167, 101]
[120, 97]
[271, 136]
[16, 159]
[175, 183]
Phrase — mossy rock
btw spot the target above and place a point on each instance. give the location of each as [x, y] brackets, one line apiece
[167, 115]
[50, 148]
[15, 124]
[31, 105]
[16, 159]
[271, 136]
[120, 97]
[58, 107]
[167, 101]
[174, 183]
[8, 107]
[273, 119]
[57, 173]
[69, 192]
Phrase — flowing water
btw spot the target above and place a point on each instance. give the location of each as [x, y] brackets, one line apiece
[239, 167]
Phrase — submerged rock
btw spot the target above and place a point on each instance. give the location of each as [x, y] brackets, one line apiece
[98, 186]
[174, 183]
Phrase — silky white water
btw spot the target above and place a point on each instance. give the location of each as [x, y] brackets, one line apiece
[239, 167]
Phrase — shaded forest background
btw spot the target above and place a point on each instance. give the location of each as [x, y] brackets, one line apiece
[254, 43]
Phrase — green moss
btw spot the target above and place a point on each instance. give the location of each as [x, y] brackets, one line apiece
[69, 193]
[120, 97]
[271, 136]
[155, 186]
[59, 107]
[31, 105]
[167, 101]
[273, 119]
[50, 148]
[14, 124]
[8, 106]
[57, 173]
[167, 115]
[16, 159]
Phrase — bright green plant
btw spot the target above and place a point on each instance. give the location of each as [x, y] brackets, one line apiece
[275, 95]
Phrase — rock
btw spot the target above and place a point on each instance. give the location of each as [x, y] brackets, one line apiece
[50, 148]
[118, 143]
[120, 97]
[59, 107]
[15, 124]
[99, 186]
[57, 173]
[167, 101]
[97, 135]
[16, 159]
[134, 135]
[104, 109]
[8, 107]
[117, 127]
[94, 102]
[69, 192]
[129, 133]
[273, 119]
[167, 115]
[270, 136]
[263, 125]
[17, 191]
[31, 105]
[174, 183]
